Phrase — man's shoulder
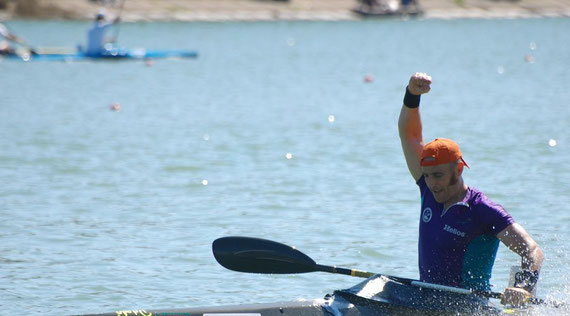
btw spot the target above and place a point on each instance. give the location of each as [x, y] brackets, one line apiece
[422, 185]
[491, 214]
[478, 199]
[421, 182]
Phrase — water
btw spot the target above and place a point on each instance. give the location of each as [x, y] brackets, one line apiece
[104, 210]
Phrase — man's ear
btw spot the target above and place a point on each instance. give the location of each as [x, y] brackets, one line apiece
[460, 166]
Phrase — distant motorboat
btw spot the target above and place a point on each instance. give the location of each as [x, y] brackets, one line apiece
[389, 8]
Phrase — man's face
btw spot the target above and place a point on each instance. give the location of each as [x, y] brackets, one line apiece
[440, 180]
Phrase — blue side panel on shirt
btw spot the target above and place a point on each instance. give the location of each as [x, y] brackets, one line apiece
[478, 262]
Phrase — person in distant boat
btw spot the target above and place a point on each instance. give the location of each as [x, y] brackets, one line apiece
[96, 35]
[410, 6]
[460, 227]
[5, 37]
[368, 5]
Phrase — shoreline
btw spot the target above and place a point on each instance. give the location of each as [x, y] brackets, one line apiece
[260, 10]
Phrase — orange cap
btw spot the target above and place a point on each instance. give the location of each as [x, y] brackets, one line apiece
[440, 151]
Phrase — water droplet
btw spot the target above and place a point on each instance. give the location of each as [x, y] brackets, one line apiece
[288, 156]
[552, 142]
[331, 118]
[204, 182]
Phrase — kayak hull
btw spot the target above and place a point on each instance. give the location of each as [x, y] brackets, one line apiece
[286, 308]
[384, 13]
[334, 306]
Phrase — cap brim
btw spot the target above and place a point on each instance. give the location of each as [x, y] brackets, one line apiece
[465, 162]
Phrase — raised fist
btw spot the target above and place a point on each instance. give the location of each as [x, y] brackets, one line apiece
[419, 83]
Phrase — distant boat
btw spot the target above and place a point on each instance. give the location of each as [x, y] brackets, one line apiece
[387, 9]
[62, 54]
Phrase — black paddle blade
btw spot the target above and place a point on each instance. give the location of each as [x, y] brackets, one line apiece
[255, 255]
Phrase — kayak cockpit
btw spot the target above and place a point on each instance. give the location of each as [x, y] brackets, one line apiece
[381, 293]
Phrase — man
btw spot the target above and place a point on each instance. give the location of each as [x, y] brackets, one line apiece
[5, 48]
[96, 35]
[460, 227]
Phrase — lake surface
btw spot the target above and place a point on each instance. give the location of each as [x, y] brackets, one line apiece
[272, 132]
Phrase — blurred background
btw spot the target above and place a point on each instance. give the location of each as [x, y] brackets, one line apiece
[201, 10]
[119, 170]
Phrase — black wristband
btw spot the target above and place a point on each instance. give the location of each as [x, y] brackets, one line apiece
[526, 279]
[411, 100]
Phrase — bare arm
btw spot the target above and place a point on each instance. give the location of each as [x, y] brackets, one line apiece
[519, 241]
[410, 126]
[410, 129]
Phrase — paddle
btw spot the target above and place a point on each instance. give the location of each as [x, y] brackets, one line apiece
[255, 255]
[18, 40]
[114, 39]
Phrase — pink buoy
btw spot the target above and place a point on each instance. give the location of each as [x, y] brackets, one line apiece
[115, 107]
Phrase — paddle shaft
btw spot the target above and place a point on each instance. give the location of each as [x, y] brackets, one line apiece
[364, 274]
[416, 283]
[118, 23]
[337, 270]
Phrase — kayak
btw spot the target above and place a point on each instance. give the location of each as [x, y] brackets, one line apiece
[378, 295]
[386, 12]
[114, 54]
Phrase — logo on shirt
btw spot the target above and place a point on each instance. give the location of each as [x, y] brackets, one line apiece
[454, 231]
[426, 215]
